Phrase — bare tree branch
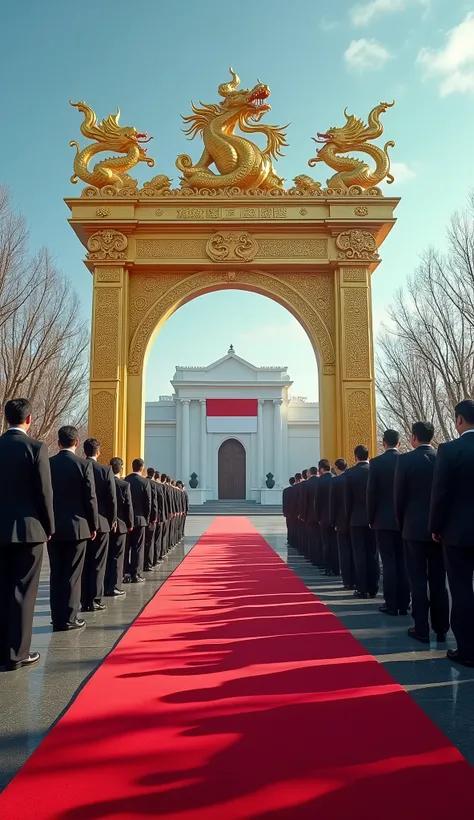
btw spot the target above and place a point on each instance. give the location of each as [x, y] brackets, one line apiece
[425, 356]
[43, 344]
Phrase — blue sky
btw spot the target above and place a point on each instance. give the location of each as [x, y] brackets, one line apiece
[153, 58]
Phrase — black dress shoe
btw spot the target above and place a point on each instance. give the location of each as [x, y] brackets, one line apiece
[387, 611]
[117, 593]
[148, 569]
[412, 633]
[358, 594]
[138, 580]
[453, 655]
[99, 606]
[70, 626]
[32, 658]
[94, 607]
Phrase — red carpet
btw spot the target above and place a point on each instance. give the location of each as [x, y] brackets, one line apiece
[236, 695]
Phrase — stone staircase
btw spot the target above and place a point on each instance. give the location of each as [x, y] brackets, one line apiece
[247, 508]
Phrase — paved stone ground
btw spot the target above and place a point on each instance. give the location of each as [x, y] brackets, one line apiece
[31, 701]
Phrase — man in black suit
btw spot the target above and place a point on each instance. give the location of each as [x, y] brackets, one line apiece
[118, 536]
[160, 495]
[141, 500]
[286, 507]
[452, 522]
[26, 523]
[381, 515]
[338, 519]
[362, 537]
[301, 502]
[77, 521]
[328, 535]
[165, 538]
[150, 531]
[184, 507]
[95, 562]
[309, 515]
[424, 557]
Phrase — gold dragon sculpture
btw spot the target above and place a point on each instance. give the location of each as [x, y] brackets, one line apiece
[108, 136]
[240, 163]
[355, 135]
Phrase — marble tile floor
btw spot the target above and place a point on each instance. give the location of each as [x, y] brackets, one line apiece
[31, 701]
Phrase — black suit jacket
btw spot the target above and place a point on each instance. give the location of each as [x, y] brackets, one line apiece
[26, 495]
[290, 510]
[322, 501]
[154, 500]
[185, 501]
[141, 499]
[160, 499]
[452, 498]
[106, 494]
[285, 501]
[75, 500]
[308, 492]
[380, 491]
[337, 506]
[413, 482]
[124, 505]
[355, 494]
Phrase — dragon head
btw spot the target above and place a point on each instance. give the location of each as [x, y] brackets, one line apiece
[111, 135]
[247, 103]
[355, 131]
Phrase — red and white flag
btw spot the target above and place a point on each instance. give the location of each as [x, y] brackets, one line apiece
[231, 415]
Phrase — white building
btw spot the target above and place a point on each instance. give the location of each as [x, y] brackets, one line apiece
[232, 423]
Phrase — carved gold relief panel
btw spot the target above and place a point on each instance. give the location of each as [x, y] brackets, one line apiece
[359, 419]
[101, 422]
[355, 317]
[106, 333]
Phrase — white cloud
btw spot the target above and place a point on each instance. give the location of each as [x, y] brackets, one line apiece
[402, 172]
[363, 14]
[452, 65]
[366, 54]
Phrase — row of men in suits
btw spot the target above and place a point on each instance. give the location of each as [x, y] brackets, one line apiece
[415, 511]
[98, 528]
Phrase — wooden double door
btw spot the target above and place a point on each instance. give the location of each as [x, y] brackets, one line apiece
[232, 470]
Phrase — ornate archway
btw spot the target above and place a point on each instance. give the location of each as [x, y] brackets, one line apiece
[311, 249]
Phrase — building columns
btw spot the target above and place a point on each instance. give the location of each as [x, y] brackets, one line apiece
[277, 442]
[260, 445]
[203, 457]
[185, 440]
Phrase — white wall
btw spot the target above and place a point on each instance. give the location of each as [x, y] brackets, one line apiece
[303, 449]
[160, 447]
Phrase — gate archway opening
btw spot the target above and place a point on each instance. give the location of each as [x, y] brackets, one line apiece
[270, 362]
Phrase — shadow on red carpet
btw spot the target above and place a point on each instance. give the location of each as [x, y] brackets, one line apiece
[237, 694]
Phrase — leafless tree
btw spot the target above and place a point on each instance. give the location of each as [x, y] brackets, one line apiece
[425, 354]
[43, 343]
